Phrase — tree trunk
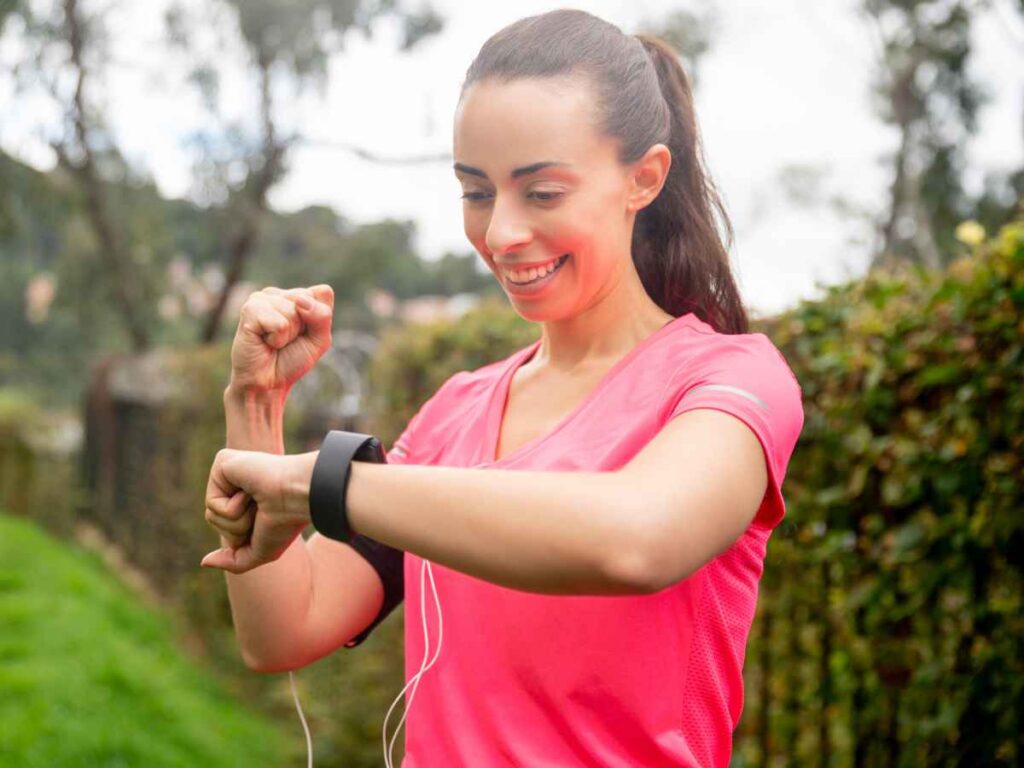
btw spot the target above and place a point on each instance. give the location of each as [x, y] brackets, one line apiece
[126, 282]
[252, 206]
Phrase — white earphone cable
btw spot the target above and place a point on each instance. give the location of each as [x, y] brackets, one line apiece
[302, 717]
[414, 681]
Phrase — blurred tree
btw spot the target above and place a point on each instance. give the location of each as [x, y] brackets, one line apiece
[9, 8]
[690, 32]
[67, 53]
[286, 43]
[455, 273]
[924, 89]
[921, 86]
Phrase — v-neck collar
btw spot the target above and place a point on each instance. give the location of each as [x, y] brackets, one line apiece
[498, 402]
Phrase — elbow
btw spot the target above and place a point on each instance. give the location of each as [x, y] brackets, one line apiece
[643, 563]
[634, 571]
[633, 566]
[254, 663]
[268, 666]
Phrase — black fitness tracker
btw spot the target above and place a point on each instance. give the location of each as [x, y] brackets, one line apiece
[329, 482]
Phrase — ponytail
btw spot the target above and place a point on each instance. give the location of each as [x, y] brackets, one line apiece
[677, 249]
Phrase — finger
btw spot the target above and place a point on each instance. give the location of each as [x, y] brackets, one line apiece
[233, 471]
[223, 558]
[324, 293]
[237, 560]
[236, 532]
[238, 528]
[288, 292]
[264, 320]
[293, 301]
[274, 308]
[288, 306]
[219, 489]
[292, 298]
[230, 507]
[318, 319]
[234, 540]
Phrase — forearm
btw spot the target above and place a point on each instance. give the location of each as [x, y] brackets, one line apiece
[255, 420]
[544, 532]
[268, 604]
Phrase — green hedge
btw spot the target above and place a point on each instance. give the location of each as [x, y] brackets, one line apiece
[890, 629]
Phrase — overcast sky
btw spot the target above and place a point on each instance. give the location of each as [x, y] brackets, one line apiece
[785, 83]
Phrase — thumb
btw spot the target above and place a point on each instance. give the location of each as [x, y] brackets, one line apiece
[231, 560]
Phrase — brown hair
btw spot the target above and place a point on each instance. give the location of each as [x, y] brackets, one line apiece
[644, 98]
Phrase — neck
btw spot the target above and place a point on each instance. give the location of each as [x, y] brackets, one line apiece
[613, 324]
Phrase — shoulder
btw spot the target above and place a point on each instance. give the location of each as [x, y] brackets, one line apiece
[744, 374]
[697, 350]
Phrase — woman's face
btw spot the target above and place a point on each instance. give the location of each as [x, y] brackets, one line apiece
[572, 217]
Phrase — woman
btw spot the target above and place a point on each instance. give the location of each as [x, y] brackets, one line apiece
[595, 506]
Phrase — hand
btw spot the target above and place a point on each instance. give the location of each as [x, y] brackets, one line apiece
[259, 502]
[281, 334]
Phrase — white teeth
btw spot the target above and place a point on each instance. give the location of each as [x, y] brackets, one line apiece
[527, 275]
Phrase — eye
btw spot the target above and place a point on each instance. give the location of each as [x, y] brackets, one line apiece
[544, 197]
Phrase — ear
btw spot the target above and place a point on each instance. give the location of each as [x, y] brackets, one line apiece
[647, 176]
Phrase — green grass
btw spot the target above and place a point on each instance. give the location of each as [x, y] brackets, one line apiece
[88, 677]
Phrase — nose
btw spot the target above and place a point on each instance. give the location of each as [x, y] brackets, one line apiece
[508, 230]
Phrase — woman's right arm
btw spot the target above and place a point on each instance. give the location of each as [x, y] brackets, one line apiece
[284, 616]
[320, 593]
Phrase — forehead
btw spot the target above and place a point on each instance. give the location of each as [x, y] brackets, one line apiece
[502, 125]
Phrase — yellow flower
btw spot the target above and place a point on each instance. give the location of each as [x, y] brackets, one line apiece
[970, 232]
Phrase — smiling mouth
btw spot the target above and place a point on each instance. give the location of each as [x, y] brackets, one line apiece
[534, 275]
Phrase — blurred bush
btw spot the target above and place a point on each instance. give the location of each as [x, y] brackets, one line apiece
[413, 361]
[890, 629]
[37, 468]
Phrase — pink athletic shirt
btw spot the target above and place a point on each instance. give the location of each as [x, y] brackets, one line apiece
[550, 681]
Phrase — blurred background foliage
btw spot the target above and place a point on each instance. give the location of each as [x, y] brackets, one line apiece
[889, 626]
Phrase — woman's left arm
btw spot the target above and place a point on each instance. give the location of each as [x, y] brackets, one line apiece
[683, 499]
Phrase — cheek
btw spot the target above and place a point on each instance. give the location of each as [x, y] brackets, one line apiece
[475, 232]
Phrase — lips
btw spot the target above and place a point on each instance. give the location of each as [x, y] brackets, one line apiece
[519, 275]
[537, 287]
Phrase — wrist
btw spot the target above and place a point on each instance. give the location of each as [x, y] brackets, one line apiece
[248, 397]
[255, 419]
[297, 486]
[329, 480]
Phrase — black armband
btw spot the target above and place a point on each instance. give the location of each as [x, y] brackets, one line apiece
[329, 483]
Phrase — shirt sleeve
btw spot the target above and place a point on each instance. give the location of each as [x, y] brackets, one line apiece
[751, 380]
[387, 561]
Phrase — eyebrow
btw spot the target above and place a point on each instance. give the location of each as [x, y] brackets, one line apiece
[526, 170]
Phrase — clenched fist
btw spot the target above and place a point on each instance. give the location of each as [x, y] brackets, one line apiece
[259, 502]
[281, 334]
